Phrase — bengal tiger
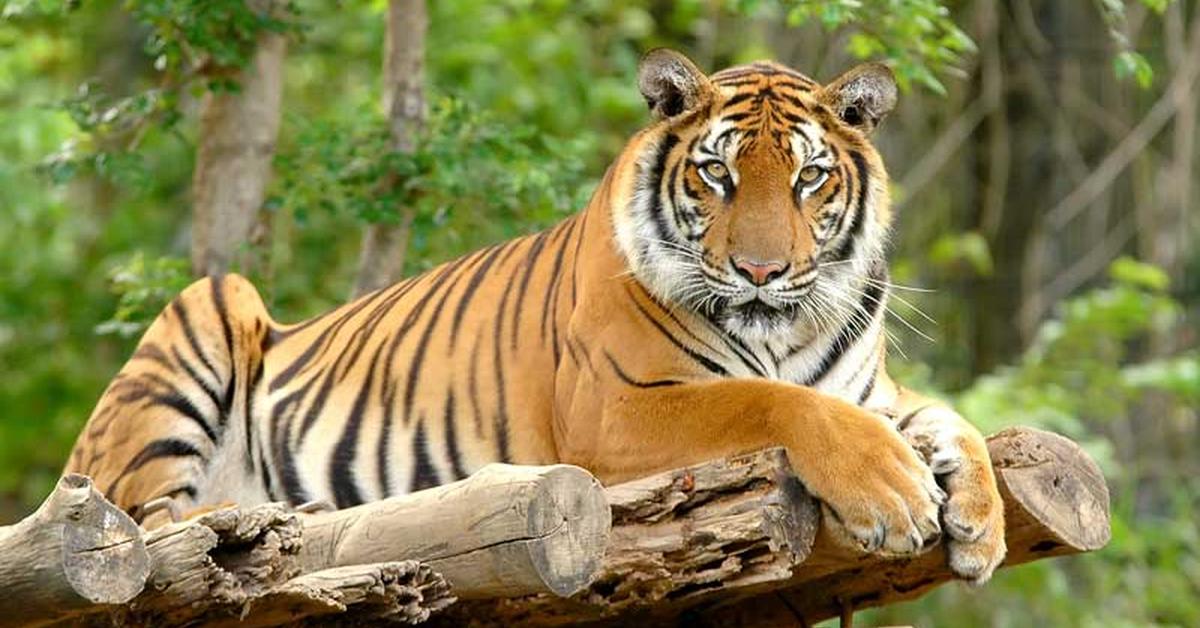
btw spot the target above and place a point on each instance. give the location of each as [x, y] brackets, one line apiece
[724, 290]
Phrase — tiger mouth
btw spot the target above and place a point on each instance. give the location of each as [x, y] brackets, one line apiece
[758, 313]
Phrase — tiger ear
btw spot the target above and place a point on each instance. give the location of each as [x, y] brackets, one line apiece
[862, 96]
[671, 83]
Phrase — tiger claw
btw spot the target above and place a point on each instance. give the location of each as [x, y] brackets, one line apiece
[315, 506]
[166, 503]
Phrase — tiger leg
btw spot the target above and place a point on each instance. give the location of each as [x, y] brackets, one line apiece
[957, 453]
[880, 495]
[175, 420]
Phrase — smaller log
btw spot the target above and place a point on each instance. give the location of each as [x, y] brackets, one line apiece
[76, 551]
[504, 531]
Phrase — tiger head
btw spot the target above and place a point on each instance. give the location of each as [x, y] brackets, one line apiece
[755, 197]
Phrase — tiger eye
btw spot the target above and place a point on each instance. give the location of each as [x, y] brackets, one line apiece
[808, 174]
[716, 170]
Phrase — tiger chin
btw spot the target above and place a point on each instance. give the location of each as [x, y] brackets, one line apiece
[723, 291]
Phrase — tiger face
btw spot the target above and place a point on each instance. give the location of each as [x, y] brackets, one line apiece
[758, 200]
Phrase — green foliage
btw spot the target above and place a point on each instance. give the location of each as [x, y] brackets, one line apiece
[1128, 63]
[917, 37]
[1074, 374]
[143, 288]
[203, 36]
[471, 178]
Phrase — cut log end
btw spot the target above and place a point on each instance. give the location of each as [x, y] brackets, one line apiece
[1059, 487]
[568, 522]
[103, 555]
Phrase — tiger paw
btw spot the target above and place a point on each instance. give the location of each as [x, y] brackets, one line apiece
[973, 516]
[878, 495]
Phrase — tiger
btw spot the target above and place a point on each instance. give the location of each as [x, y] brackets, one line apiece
[723, 291]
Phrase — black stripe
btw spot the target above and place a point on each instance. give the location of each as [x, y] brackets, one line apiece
[155, 450]
[500, 420]
[575, 259]
[866, 391]
[625, 377]
[341, 476]
[320, 342]
[208, 390]
[424, 475]
[283, 415]
[387, 394]
[353, 347]
[417, 363]
[218, 296]
[190, 334]
[161, 448]
[706, 362]
[150, 351]
[535, 250]
[740, 97]
[869, 305]
[456, 468]
[469, 293]
[856, 224]
[654, 184]
[552, 291]
[181, 404]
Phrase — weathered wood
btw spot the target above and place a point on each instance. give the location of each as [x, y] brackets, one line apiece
[242, 567]
[735, 542]
[504, 531]
[1056, 503]
[399, 592]
[76, 551]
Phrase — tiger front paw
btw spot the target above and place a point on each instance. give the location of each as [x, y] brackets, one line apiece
[973, 516]
[877, 495]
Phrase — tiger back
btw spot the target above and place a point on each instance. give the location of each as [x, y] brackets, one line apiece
[724, 290]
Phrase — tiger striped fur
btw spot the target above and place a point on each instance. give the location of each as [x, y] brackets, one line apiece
[724, 290]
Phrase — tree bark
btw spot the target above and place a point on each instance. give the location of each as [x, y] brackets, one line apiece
[237, 135]
[381, 262]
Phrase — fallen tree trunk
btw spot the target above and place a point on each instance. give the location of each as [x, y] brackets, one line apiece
[736, 543]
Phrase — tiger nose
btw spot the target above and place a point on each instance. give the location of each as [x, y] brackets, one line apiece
[758, 273]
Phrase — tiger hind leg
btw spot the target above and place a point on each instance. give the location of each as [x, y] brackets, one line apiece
[176, 419]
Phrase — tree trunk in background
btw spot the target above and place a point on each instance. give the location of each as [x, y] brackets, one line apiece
[1003, 211]
[233, 162]
[381, 262]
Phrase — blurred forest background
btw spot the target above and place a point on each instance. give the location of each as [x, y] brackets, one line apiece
[1044, 161]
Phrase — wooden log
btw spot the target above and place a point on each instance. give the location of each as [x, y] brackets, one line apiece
[76, 551]
[242, 567]
[504, 531]
[404, 592]
[709, 571]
